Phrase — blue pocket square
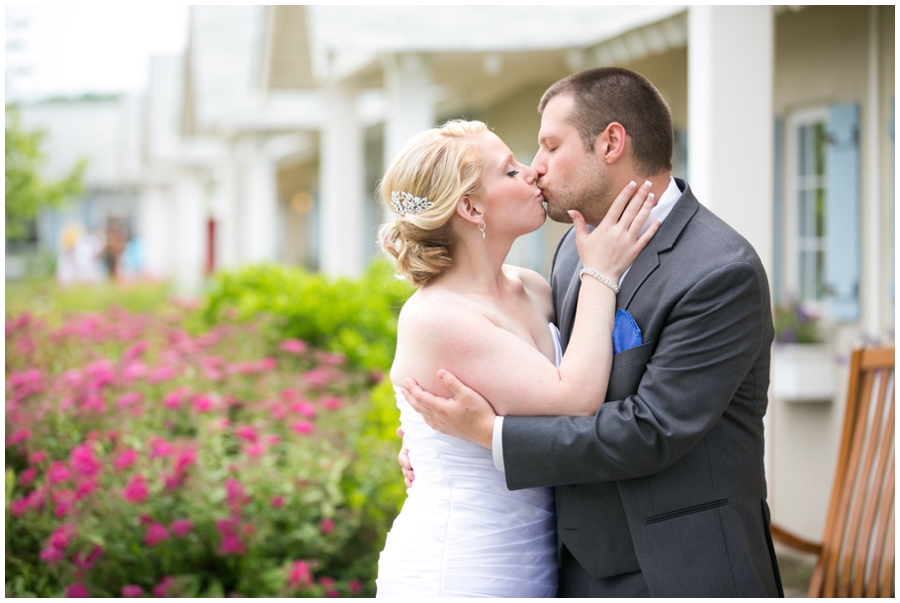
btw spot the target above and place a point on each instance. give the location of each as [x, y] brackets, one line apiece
[626, 333]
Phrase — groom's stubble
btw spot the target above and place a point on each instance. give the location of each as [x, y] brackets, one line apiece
[590, 191]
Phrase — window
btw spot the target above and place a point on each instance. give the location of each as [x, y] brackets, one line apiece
[806, 207]
[821, 211]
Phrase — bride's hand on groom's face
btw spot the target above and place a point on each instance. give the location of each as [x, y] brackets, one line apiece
[615, 243]
[467, 415]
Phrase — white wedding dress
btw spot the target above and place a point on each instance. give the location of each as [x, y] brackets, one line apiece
[461, 532]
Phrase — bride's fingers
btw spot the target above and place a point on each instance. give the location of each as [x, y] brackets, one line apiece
[642, 214]
[635, 204]
[651, 230]
[579, 225]
[618, 205]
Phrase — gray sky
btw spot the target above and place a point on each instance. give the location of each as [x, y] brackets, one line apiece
[103, 48]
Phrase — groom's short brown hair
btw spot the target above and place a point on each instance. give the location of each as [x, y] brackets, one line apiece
[607, 94]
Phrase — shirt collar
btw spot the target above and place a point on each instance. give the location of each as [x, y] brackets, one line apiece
[664, 206]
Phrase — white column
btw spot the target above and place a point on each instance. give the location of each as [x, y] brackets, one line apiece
[154, 230]
[188, 233]
[874, 286]
[409, 106]
[730, 133]
[730, 121]
[259, 203]
[228, 247]
[342, 209]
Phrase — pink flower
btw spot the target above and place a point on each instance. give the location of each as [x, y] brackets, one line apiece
[134, 370]
[85, 488]
[20, 435]
[332, 403]
[231, 543]
[83, 462]
[254, 450]
[161, 373]
[277, 502]
[77, 590]
[202, 403]
[328, 583]
[304, 408]
[135, 350]
[316, 377]
[136, 489]
[132, 590]
[161, 590]
[63, 535]
[156, 533]
[354, 586]
[95, 404]
[290, 394]
[38, 456]
[185, 458]
[293, 346]
[267, 364]
[127, 399]
[327, 526]
[173, 399]
[86, 563]
[126, 459]
[235, 494]
[246, 432]
[52, 554]
[300, 574]
[28, 476]
[331, 359]
[181, 527]
[159, 447]
[302, 427]
[278, 413]
[58, 472]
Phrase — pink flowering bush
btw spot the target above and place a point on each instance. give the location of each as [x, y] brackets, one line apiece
[148, 457]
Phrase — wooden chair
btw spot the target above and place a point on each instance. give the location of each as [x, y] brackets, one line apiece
[856, 555]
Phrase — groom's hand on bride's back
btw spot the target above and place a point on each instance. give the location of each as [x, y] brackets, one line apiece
[467, 415]
[405, 465]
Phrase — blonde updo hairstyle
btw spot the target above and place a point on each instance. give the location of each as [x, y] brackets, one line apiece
[443, 165]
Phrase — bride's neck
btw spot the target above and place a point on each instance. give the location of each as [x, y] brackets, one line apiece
[477, 265]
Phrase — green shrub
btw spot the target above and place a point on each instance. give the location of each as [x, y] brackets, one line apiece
[355, 318]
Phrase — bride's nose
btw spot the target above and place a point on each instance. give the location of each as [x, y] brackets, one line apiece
[531, 175]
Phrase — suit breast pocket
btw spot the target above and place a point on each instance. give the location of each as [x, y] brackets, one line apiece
[627, 371]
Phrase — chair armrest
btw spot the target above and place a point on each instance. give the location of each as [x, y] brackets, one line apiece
[799, 543]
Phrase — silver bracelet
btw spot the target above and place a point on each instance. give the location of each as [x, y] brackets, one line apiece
[600, 278]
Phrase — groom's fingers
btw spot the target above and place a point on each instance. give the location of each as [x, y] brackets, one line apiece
[456, 387]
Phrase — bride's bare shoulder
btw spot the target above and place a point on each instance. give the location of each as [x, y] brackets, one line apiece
[532, 281]
[436, 314]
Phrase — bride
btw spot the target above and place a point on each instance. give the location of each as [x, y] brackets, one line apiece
[461, 199]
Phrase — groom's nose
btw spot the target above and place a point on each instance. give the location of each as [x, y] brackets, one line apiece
[539, 164]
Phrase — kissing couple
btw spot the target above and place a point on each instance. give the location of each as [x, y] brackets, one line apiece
[600, 434]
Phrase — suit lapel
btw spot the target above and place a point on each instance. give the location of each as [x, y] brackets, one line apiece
[665, 238]
[566, 283]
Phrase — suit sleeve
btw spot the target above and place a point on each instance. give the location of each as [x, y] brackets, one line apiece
[708, 345]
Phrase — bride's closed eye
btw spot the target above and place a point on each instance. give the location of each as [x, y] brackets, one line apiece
[512, 173]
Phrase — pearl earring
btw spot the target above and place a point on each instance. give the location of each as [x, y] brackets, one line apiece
[481, 227]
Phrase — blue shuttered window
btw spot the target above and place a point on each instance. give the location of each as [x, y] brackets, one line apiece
[842, 209]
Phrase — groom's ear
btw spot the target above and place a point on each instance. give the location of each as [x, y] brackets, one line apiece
[469, 210]
[610, 143]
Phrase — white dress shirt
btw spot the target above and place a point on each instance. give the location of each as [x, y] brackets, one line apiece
[665, 204]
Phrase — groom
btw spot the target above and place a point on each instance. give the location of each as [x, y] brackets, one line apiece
[663, 491]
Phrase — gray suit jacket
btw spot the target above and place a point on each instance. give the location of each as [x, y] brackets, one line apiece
[668, 478]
